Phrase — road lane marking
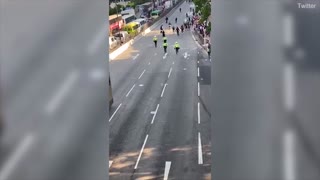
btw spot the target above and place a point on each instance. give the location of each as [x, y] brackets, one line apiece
[198, 72]
[149, 63]
[142, 74]
[185, 55]
[141, 85]
[288, 30]
[155, 113]
[166, 170]
[289, 155]
[97, 74]
[170, 72]
[135, 57]
[164, 87]
[198, 89]
[165, 55]
[144, 143]
[200, 158]
[289, 86]
[172, 62]
[198, 113]
[63, 90]
[110, 163]
[16, 156]
[198, 62]
[100, 37]
[130, 90]
[115, 112]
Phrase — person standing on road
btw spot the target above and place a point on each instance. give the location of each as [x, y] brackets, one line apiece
[180, 9]
[155, 40]
[169, 25]
[163, 33]
[164, 39]
[177, 47]
[181, 28]
[177, 29]
[209, 51]
[165, 45]
[173, 28]
[176, 20]
[167, 20]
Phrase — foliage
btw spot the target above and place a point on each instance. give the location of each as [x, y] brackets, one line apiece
[116, 9]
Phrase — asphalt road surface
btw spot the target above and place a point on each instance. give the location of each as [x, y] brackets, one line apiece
[54, 85]
[160, 119]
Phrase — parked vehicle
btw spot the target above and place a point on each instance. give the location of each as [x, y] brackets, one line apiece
[128, 18]
[132, 28]
[128, 12]
[112, 42]
[155, 14]
[142, 22]
[122, 36]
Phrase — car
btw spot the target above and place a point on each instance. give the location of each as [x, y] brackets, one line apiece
[113, 43]
[122, 36]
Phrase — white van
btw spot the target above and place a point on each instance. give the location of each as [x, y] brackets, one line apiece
[141, 22]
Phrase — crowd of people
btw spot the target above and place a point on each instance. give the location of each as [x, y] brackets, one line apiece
[191, 22]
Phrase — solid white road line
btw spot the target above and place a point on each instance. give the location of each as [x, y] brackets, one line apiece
[155, 113]
[200, 158]
[198, 62]
[98, 40]
[130, 90]
[198, 89]
[62, 92]
[289, 87]
[289, 155]
[144, 143]
[14, 159]
[198, 72]
[110, 163]
[198, 113]
[166, 170]
[135, 57]
[288, 30]
[164, 87]
[172, 62]
[170, 72]
[149, 63]
[115, 112]
[142, 74]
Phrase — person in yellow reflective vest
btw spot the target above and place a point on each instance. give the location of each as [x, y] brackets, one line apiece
[177, 47]
[164, 39]
[165, 45]
[155, 40]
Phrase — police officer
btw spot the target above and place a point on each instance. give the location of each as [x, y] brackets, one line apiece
[164, 39]
[177, 47]
[165, 45]
[155, 40]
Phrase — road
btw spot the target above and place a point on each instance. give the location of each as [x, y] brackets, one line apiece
[54, 84]
[160, 119]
